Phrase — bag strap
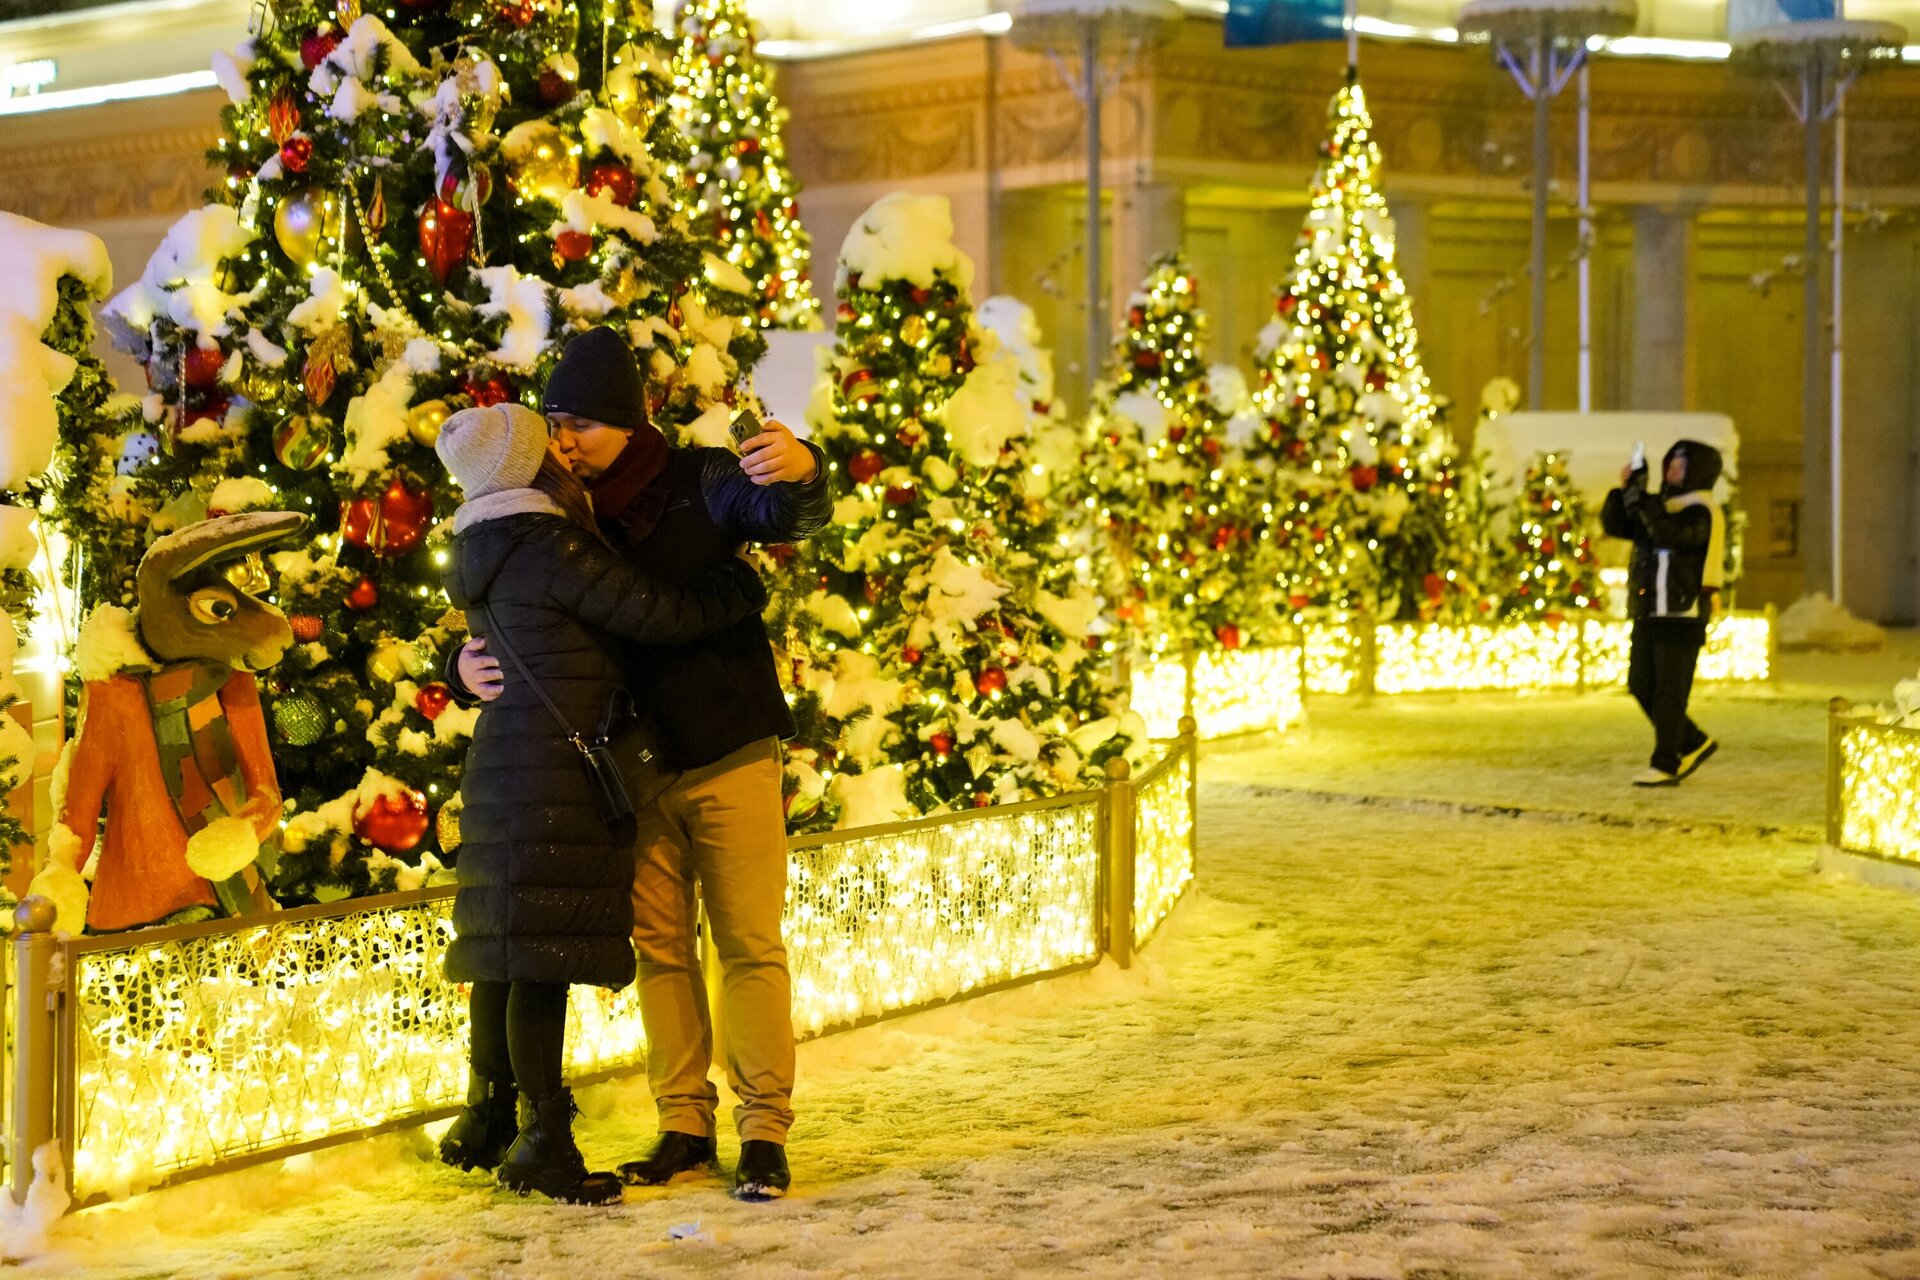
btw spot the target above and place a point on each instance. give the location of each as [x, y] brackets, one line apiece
[495, 633]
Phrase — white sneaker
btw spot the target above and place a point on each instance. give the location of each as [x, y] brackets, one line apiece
[1656, 778]
[1697, 757]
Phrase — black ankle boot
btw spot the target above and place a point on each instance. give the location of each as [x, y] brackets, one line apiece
[673, 1155]
[482, 1133]
[762, 1171]
[544, 1158]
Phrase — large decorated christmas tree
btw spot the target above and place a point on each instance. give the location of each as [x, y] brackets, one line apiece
[1162, 487]
[740, 186]
[934, 669]
[420, 207]
[1360, 465]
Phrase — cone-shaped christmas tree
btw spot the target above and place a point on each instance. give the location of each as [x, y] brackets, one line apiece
[741, 188]
[1547, 566]
[1165, 492]
[420, 208]
[934, 672]
[1349, 421]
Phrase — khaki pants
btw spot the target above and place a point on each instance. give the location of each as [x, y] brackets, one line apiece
[721, 828]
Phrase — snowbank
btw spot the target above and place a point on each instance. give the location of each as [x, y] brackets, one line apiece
[1815, 622]
[905, 237]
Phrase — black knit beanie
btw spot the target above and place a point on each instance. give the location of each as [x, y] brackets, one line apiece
[598, 378]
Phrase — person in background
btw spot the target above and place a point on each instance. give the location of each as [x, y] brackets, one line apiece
[544, 882]
[720, 831]
[1678, 568]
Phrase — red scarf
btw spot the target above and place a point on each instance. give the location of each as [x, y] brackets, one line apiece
[627, 500]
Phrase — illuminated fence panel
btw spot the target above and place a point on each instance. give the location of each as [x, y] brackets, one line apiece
[1332, 658]
[1878, 789]
[196, 1050]
[1425, 659]
[922, 912]
[1739, 647]
[1163, 844]
[1234, 691]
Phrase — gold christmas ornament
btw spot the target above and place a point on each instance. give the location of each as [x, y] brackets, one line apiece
[424, 421]
[446, 825]
[419, 660]
[305, 221]
[540, 160]
[629, 95]
[388, 662]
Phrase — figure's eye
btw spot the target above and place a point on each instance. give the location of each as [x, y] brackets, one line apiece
[212, 606]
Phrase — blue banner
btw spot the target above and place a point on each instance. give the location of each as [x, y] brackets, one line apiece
[1258, 22]
[1751, 15]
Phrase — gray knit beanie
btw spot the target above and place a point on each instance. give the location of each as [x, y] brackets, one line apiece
[498, 447]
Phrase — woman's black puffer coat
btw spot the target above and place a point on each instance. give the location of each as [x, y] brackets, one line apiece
[545, 890]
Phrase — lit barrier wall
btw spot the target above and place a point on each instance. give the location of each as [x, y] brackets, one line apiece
[1228, 691]
[1873, 785]
[1165, 846]
[1402, 657]
[172, 1053]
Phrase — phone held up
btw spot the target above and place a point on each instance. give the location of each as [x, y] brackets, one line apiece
[745, 426]
[1639, 460]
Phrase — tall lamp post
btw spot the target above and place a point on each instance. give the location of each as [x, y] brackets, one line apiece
[1813, 64]
[1543, 45]
[1091, 42]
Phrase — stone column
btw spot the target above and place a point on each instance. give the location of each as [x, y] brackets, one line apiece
[1412, 218]
[1662, 354]
[1149, 219]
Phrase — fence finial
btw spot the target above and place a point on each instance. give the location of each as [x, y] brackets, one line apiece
[35, 914]
[1119, 769]
[1189, 726]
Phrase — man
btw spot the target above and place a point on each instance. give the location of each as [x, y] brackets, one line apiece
[718, 704]
[1679, 566]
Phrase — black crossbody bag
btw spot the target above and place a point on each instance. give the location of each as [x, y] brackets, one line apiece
[626, 770]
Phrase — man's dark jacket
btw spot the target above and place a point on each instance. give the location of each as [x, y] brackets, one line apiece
[1669, 546]
[717, 695]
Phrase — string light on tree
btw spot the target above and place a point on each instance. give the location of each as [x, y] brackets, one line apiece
[1548, 570]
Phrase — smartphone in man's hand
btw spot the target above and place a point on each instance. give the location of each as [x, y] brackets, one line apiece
[745, 426]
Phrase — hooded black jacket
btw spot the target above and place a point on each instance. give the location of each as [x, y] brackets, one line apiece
[545, 890]
[1670, 546]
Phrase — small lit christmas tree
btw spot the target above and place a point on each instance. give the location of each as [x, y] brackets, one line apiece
[742, 190]
[1166, 494]
[1342, 390]
[420, 207]
[1548, 568]
[933, 670]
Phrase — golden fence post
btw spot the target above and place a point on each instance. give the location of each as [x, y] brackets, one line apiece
[1187, 661]
[1580, 656]
[1118, 850]
[1772, 616]
[1836, 794]
[1369, 655]
[34, 1039]
[1190, 743]
[1300, 634]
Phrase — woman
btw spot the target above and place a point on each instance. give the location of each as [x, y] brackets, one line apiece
[545, 886]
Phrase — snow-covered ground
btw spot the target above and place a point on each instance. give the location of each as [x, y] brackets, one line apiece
[1511, 1020]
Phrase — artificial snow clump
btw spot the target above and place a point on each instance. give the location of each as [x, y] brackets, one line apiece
[222, 849]
[109, 643]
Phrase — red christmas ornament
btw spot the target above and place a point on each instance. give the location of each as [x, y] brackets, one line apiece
[919, 295]
[1176, 433]
[613, 180]
[306, 627]
[941, 742]
[1297, 601]
[1136, 316]
[1364, 478]
[211, 408]
[1435, 586]
[783, 553]
[283, 116]
[1376, 380]
[488, 392]
[1146, 360]
[571, 245]
[554, 87]
[899, 495]
[468, 193]
[981, 799]
[1223, 537]
[1287, 303]
[992, 680]
[394, 823]
[845, 313]
[364, 595]
[296, 152]
[747, 146]
[519, 13]
[911, 656]
[1228, 635]
[432, 700]
[391, 526]
[203, 366]
[446, 234]
[865, 465]
[316, 45]
[1211, 448]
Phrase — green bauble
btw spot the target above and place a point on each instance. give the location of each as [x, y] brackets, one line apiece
[300, 719]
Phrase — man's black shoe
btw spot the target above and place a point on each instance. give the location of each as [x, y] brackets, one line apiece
[673, 1155]
[762, 1172]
